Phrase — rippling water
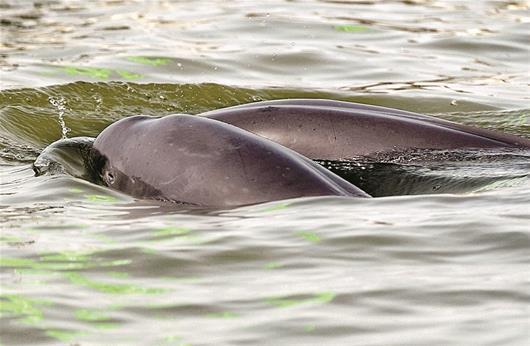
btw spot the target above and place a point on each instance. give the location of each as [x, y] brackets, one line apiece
[446, 263]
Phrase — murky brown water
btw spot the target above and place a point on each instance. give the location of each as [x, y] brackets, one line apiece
[84, 265]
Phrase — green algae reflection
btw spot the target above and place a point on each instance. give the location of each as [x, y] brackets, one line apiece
[152, 61]
[223, 314]
[96, 318]
[111, 288]
[128, 75]
[67, 256]
[273, 265]
[29, 313]
[63, 335]
[68, 260]
[309, 328]
[183, 233]
[351, 28]
[10, 239]
[22, 307]
[118, 275]
[309, 236]
[170, 230]
[276, 207]
[90, 315]
[175, 340]
[92, 72]
[319, 298]
[99, 72]
[101, 199]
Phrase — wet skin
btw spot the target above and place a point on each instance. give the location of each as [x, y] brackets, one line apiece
[335, 130]
[206, 162]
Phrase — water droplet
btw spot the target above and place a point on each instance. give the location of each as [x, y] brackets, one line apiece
[60, 104]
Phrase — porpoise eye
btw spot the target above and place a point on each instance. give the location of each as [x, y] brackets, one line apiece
[109, 177]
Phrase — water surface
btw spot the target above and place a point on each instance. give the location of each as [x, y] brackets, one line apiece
[446, 263]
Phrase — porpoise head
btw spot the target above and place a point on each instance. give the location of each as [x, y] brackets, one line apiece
[72, 156]
[109, 155]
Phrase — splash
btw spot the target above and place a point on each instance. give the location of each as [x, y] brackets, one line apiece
[60, 104]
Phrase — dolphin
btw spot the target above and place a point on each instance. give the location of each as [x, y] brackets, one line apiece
[205, 162]
[336, 130]
[256, 152]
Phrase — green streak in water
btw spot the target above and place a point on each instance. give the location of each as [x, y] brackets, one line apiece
[110, 288]
[284, 302]
[149, 251]
[194, 239]
[25, 271]
[351, 28]
[273, 265]
[172, 338]
[129, 75]
[101, 198]
[16, 262]
[276, 207]
[170, 230]
[175, 340]
[66, 261]
[182, 232]
[22, 306]
[223, 314]
[145, 60]
[106, 325]
[120, 275]
[319, 298]
[309, 236]
[90, 315]
[63, 335]
[92, 72]
[96, 318]
[104, 238]
[309, 328]
[99, 72]
[324, 297]
[10, 239]
[67, 256]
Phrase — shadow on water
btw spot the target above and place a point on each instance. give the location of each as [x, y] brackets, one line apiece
[434, 172]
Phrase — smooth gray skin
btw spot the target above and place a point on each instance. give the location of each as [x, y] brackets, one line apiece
[336, 130]
[206, 162]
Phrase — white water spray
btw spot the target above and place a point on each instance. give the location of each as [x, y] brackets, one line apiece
[60, 104]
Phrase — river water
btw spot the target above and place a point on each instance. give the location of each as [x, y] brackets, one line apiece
[444, 263]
